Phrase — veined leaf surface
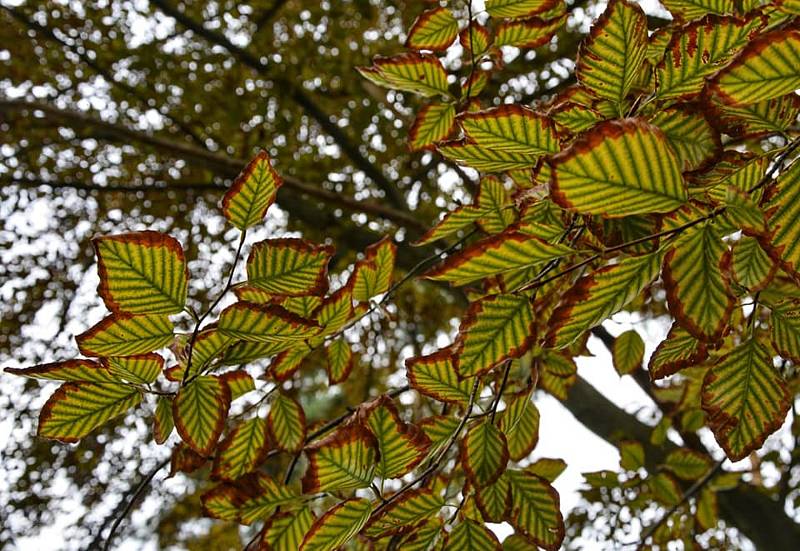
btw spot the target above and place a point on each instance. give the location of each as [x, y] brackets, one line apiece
[421, 74]
[511, 128]
[242, 450]
[783, 212]
[200, 410]
[126, 335]
[338, 526]
[518, 8]
[484, 453]
[289, 267]
[535, 510]
[252, 192]
[264, 323]
[401, 446]
[434, 123]
[253, 497]
[468, 535]
[287, 423]
[435, 376]
[434, 29]
[344, 460]
[285, 531]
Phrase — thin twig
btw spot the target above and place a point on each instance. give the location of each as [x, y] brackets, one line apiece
[776, 165]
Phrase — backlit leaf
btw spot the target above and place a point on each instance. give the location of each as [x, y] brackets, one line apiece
[344, 460]
[520, 425]
[493, 330]
[340, 360]
[547, 468]
[338, 526]
[143, 369]
[785, 334]
[78, 371]
[162, 420]
[745, 399]
[484, 453]
[434, 29]
[698, 292]
[454, 221]
[401, 446]
[765, 69]
[200, 410]
[496, 206]
[511, 128]
[527, 33]
[618, 168]
[405, 513]
[752, 267]
[242, 450]
[264, 323]
[483, 158]
[678, 351]
[287, 423]
[251, 498]
[76, 409]
[691, 136]
[693, 9]
[434, 123]
[783, 212]
[774, 115]
[141, 272]
[535, 510]
[373, 274]
[612, 55]
[518, 8]
[285, 531]
[494, 500]
[239, 382]
[251, 193]
[628, 352]
[286, 364]
[468, 535]
[126, 335]
[597, 296]
[421, 74]
[289, 267]
[687, 464]
[435, 376]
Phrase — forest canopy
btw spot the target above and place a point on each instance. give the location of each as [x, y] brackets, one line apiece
[312, 275]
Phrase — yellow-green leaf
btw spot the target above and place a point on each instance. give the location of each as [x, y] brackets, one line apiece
[698, 292]
[535, 510]
[627, 353]
[162, 420]
[435, 376]
[126, 335]
[494, 500]
[421, 74]
[242, 451]
[783, 212]
[340, 360]
[706, 509]
[752, 268]
[285, 531]
[518, 8]
[434, 123]
[599, 295]
[338, 526]
[200, 410]
[289, 267]
[774, 115]
[484, 453]
[745, 399]
[483, 158]
[252, 192]
[405, 513]
[264, 323]
[691, 136]
[618, 168]
[631, 455]
[373, 274]
[497, 210]
[287, 423]
[345, 460]
[76, 409]
[454, 221]
[141, 273]
[547, 468]
[785, 334]
[401, 446]
[613, 54]
[693, 9]
[142, 369]
[678, 351]
[511, 128]
[239, 382]
[468, 535]
[78, 371]
[434, 29]
[767, 68]
[527, 33]
[251, 498]
[688, 464]
[494, 329]
[520, 425]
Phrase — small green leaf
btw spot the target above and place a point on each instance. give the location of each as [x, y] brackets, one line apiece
[126, 335]
[200, 410]
[338, 526]
[484, 453]
[627, 353]
[287, 423]
[251, 193]
[345, 460]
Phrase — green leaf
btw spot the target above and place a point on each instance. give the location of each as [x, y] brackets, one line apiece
[527, 33]
[631, 455]
[289, 267]
[745, 399]
[434, 29]
[424, 537]
[520, 425]
[775, 115]
[253, 497]
[435, 376]
[501, 253]
[373, 274]
[340, 360]
[496, 207]
[264, 323]
[627, 353]
[691, 136]
[706, 509]
[612, 55]
[143, 369]
[511, 128]
[401, 446]
[141, 273]
[434, 123]
[454, 221]
[239, 383]
[76, 409]
[494, 500]
[252, 192]
[336, 311]
[688, 464]
[421, 74]
[535, 510]
[405, 513]
[752, 268]
[698, 291]
[665, 489]
[557, 373]
[484, 453]
[242, 352]
[547, 468]
[200, 410]
[693, 9]
[599, 295]
[439, 428]
[468, 535]
[162, 420]
[678, 351]
[345, 460]
[285, 531]
[244, 449]
[518, 8]
[698, 50]
[494, 329]
[765, 69]
[483, 158]
[338, 526]
[209, 346]
[126, 335]
[783, 212]
[78, 371]
[618, 168]
[785, 333]
[287, 423]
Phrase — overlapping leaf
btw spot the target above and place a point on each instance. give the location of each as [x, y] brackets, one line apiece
[373, 274]
[338, 526]
[126, 335]
[519, 422]
[141, 273]
[688, 464]
[401, 446]
[774, 115]
[618, 168]
[693, 9]
[340, 360]
[752, 267]
[239, 382]
[783, 243]
[421, 74]
[678, 351]
[344, 460]
[786, 330]
[765, 69]
[162, 420]
[485, 159]
[143, 369]
[454, 221]
[468, 535]
[285, 531]
[434, 123]
[252, 192]
[691, 136]
[612, 55]
[518, 8]
[405, 513]
[484, 453]
[493, 330]
[435, 376]
[251, 498]
[287, 423]
[242, 450]
[511, 128]
[497, 210]
[264, 323]
[527, 33]
[494, 500]
[434, 29]
[535, 510]
[745, 399]
[597, 296]
[289, 267]
[200, 410]
[78, 371]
